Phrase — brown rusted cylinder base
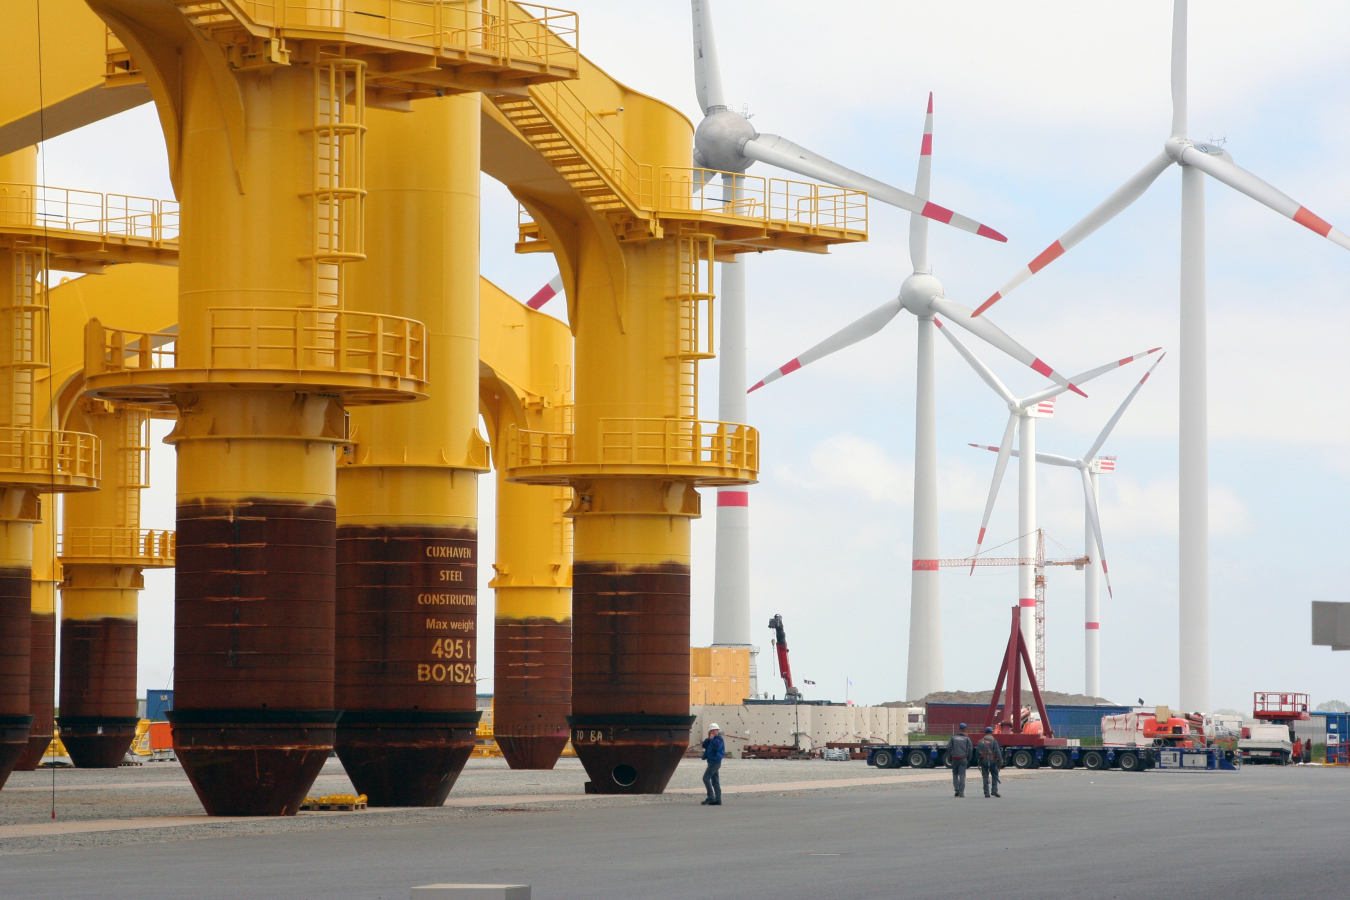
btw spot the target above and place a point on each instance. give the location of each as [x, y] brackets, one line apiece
[13, 743]
[532, 690]
[406, 676]
[98, 690]
[97, 742]
[402, 758]
[630, 674]
[42, 690]
[254, 718]
[249, 762]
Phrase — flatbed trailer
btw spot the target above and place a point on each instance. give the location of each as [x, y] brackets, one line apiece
[932, 754]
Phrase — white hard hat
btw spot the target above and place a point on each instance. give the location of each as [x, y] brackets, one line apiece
[714, 727]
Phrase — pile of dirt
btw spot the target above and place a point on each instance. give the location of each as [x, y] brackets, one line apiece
[1051, 698]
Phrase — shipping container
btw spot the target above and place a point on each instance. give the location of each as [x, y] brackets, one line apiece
[157, 703]
[161, 738]
[1065, 721]
[1338, 738]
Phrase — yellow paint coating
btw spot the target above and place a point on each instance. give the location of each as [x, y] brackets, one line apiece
[101, 592]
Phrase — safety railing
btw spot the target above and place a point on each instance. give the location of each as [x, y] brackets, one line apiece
[119, 350]
[312, 339]
[146, 545]
[106, 216]
[769, 200]
[58, 455]
[507, 31]
[644, 442]
[601, 149]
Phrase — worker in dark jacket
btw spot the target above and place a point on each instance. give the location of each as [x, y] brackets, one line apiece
[959, 752]
[714, 748]
[989, 755]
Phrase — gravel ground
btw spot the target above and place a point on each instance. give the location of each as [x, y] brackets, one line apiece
[162, 789]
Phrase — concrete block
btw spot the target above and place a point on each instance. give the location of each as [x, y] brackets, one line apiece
[472, 892]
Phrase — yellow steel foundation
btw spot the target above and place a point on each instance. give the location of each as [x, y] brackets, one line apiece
[527, 384]
[408, 487]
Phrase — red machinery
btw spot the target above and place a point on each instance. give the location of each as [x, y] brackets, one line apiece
[780, 641]
[1009, 729]
[1270, 706]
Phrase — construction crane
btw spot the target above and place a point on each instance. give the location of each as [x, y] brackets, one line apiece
[1040, 563]
[780, 642]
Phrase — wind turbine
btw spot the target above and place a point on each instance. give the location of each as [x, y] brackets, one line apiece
[1022, 415]
[923, 296]
[1195, 160]
[726, 141]
[1090, 466]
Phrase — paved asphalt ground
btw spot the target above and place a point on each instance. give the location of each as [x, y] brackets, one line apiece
[1260, 833]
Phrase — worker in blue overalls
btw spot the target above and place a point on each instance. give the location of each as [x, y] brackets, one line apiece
[714, 748]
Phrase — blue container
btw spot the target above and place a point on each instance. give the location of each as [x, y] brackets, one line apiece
[1081, 721]
[1338, 738]
[157, 703]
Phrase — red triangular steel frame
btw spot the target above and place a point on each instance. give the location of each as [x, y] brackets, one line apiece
[1012, 673]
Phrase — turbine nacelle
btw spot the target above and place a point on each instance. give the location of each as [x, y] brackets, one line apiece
[917, 293]
[719, 139]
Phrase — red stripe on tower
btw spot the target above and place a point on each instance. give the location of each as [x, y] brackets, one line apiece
[933, 211]
[1027, 601]
[1048, 255]
[733, 498]
[925, 565]
[1308, 219]
[1092, 626]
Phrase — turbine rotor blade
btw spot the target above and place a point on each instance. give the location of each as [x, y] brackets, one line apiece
[918, 223]
[1005, 451]
[1120, 411]
[985, 373]
[780, 152]
[1050, 459]
[847, 336]
[1239, 179]
[546, 293]
[1179, 67]
[707, 71]
[1087, 376]
[990, 333]
[1107, 210]
[1091, 502]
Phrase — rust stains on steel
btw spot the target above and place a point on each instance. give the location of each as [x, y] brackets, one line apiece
[532, 690]
[42, 689]
[630, 674]
[406, 674]
[15, 648]
[98, 690]
[254, 719]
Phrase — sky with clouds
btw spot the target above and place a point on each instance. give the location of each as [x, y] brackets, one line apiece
[1042, 109]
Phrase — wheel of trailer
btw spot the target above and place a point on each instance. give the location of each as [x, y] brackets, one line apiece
[1059, 759]
[918, 759]
[883, 759]
[1129, 762]
[945, 759]
[1023, 759]
[1094, 760]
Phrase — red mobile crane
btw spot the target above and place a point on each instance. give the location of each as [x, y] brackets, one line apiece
[780, 641]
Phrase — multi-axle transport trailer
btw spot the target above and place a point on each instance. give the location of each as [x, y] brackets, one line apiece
[928, 755]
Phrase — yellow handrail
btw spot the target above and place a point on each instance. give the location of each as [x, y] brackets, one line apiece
[108, 542]
[643, 442]
[27, 451]
[108, 216]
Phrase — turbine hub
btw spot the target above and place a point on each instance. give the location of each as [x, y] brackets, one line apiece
[1177, 145]
[917, 290]
[719, 138]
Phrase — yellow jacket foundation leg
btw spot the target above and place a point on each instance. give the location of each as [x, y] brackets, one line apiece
[42, 663]
[407, 590]
[16, 572]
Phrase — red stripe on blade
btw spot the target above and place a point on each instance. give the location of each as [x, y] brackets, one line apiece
[1308, 219]
[933, 211]
[1041, 368]
[986, 304]
[1048, 255]
[925, 565]
[1092, 626]
[927, 148]
[542, 296]
[1076, 390]
[986, 231]
[930, 103]
[790, 367]
[755, 387]
[980, 539]
[733, 498]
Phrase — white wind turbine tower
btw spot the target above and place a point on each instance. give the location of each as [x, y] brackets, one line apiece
[1022, 416]
[726, 141]
[922, 295]
[1195, 160]
[1089, 467]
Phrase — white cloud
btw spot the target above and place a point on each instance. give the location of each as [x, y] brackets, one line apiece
[1133, 510]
